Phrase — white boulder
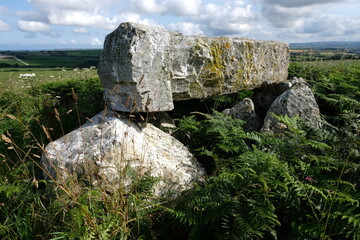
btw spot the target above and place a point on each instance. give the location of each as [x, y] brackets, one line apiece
[102, 151]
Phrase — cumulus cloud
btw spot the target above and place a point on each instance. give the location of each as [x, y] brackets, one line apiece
[148, 6]
[184, 7]
[292, 13]
[230, 18]
[282, 17]
[324, 27]
[331, 25]
[33, 26]
[84, 13]
[128, 17]
[70, 42]
[187, 28]
[299, 3]
[85, 5]
[4, 26]
[75, 18]
[167, 7]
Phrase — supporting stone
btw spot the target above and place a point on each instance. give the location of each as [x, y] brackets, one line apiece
[111, 150]
[298, 100]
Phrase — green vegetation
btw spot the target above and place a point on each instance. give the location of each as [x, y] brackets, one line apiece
[56, 58]
[10, 78]
[324, 51]
[302, 183]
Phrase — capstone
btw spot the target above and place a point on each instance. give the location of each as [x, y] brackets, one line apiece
[146, 68]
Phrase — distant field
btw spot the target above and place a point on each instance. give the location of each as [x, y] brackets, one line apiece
[321, 54]
[11, 62]
[340, 65]
[10, 78]
[56, 58]
[46, 66]
[324, 51]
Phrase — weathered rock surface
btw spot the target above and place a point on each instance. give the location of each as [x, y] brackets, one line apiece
[103, 150]
[298, 100]
[245, 110]
[146, 68]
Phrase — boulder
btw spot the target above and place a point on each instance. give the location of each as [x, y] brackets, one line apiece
[298, 100]
[111, 150]
[146, 68]
[245, 110]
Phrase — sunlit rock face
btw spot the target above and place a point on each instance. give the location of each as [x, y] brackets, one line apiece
[298, 100]
[111, 150]
[146, 68]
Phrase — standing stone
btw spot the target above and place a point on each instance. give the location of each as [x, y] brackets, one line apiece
[245, 110]
[298, 100]
[111, 150]
[146, 68]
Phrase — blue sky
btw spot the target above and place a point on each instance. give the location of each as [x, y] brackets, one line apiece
[53, 24]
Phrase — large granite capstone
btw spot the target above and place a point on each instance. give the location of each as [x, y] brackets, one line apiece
[146, 68]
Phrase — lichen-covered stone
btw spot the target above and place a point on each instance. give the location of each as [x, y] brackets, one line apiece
[110, 150]
[298, 100]
[245, 110]
[146, 68]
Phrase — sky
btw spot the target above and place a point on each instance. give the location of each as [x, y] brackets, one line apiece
[68, 24]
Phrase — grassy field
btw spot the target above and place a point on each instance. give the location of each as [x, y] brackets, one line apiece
[10, 78]
[55, 58]
[12, 61]
[48, 66]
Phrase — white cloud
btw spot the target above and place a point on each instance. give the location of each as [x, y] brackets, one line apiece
[70, 42]
[293, 13]
[184, 7]
[32, 16]
[74, 18]
[33, 26]
[85, 5]
[282, 17]
[95, 42]
[231, 18]
[4, 26]
[167, 7]
[187, 28]
[299, 3]
[264, 19]
[324, 27]
[331, 25]
[80, 30]
[148, 6]
[81, 14]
